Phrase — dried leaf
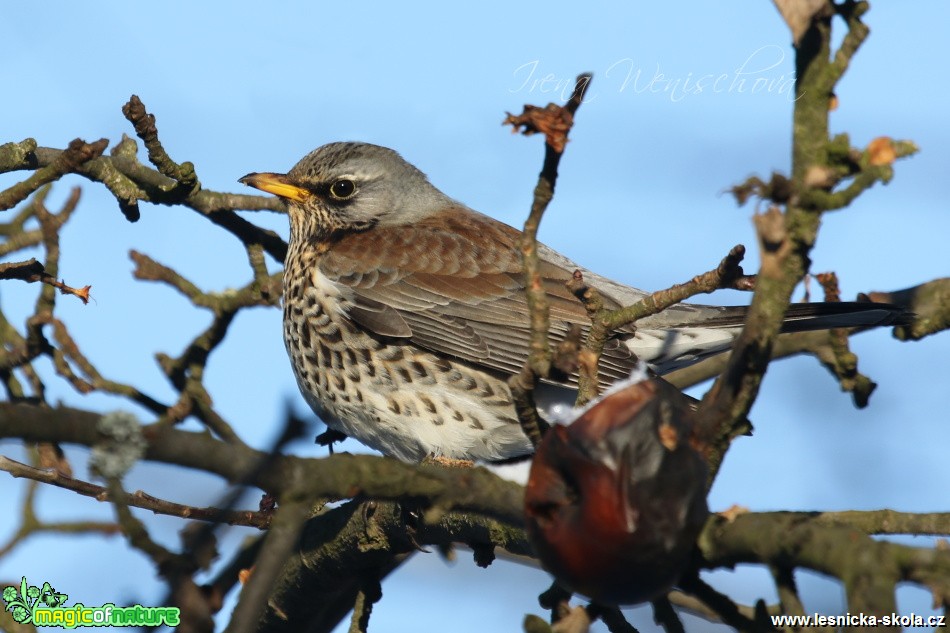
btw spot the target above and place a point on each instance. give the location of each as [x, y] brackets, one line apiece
[553, 121]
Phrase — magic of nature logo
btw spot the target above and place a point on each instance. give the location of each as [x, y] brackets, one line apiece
[44, 606]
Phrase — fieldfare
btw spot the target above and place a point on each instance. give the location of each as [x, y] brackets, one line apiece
[404, 310]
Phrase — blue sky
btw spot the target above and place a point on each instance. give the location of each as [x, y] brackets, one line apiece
[240, 87]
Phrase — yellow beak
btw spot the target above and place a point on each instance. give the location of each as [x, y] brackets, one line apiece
[277, 184]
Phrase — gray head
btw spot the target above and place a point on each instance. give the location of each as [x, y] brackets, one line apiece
[352, 186]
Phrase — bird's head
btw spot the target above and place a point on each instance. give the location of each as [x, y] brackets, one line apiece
[342, 187]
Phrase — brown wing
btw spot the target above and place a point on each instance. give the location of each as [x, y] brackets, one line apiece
[453, 284]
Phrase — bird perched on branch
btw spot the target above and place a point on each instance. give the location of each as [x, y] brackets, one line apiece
[405, 311]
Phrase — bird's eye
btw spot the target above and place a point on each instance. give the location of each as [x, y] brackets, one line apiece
[342, 189]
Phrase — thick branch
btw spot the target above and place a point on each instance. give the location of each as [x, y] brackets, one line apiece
[930, 303]
[785, 240]
[72, 158]
[869, 569]
[338, 476]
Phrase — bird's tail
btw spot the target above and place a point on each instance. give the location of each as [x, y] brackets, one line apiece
[712, 330]
[804, 317]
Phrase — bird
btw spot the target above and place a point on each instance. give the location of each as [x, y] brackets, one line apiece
[404, 310]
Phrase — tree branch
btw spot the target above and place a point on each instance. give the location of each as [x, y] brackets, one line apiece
[555, 122]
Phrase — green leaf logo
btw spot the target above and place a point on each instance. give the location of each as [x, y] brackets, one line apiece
[21, 601]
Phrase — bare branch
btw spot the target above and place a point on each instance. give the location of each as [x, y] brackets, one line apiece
[538, 365]
[338, 476]
[78, 153]
[137, 499]
[728, 274]
[32, 271]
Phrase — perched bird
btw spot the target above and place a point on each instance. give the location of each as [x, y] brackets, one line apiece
[405, 312]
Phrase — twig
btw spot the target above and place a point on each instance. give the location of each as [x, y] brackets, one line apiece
[722, 605]
[32, 271]
[728, 274]
[695, 606]
[363, 606]
[134, 530]
[30, 524]
[144, 123]
[784, 577]
[538, 365]
[837, 357]
[278, 545]
[665, 616]
[68, 352]
[129, 182]
[136, 499]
